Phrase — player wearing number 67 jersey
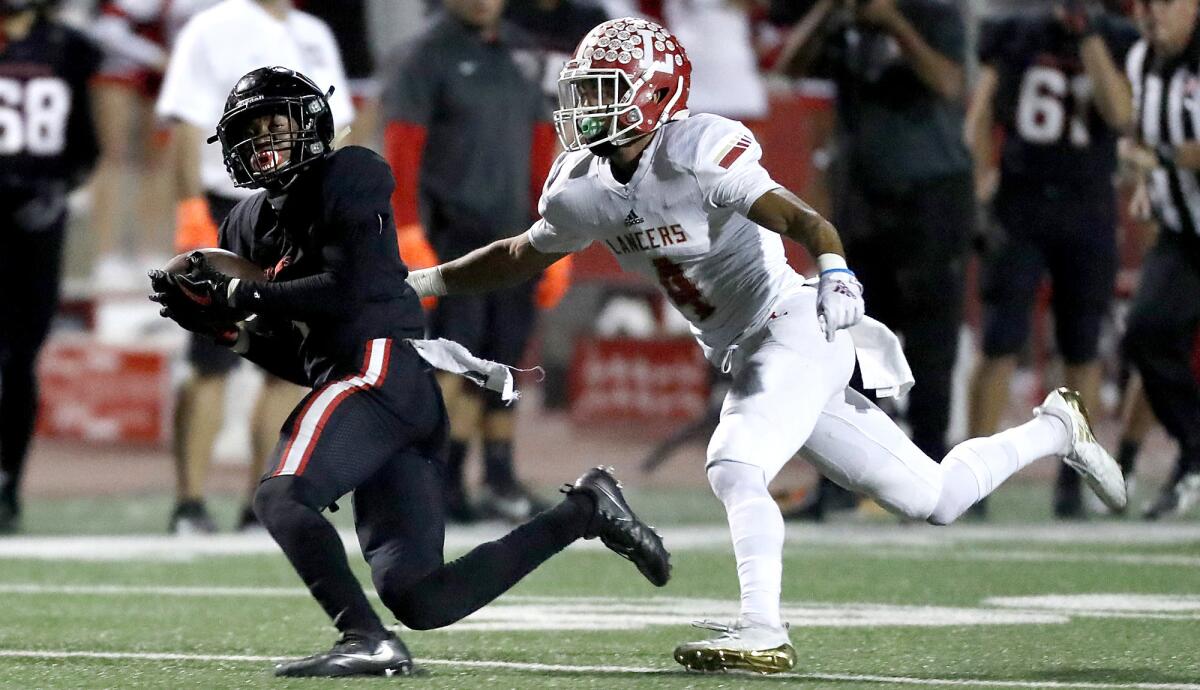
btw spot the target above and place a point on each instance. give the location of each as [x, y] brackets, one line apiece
[47, 148]
[685, 201]
[1051, 82]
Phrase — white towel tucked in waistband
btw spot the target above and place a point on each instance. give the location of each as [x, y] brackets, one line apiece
[450, 356]
[881, 360]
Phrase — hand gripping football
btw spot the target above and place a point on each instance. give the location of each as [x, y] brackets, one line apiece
[224, 261]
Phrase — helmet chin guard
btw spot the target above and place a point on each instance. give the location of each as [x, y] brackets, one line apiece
[627, 77]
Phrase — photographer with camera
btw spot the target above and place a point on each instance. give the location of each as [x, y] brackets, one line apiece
[901, 181]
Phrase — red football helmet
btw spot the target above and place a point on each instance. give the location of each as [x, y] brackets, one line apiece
[628, 76]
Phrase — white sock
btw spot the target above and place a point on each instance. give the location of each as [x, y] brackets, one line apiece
[976, 467]
[756, 527]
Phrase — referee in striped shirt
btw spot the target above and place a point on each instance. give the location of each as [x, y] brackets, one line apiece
[1164, 69]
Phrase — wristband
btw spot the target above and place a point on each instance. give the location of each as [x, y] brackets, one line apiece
[831, 263]
[428, 282]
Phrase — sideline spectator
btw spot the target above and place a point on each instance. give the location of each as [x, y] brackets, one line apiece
[49, 148]
[902, 179]
[470, 145]
[133, 151]
[1164, 69]
[725, 76]
[1049, 81]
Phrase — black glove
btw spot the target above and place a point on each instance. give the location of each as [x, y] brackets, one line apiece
[182, 308]
[206, 286]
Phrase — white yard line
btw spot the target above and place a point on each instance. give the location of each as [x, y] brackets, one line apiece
[616, 670]
[909, 541]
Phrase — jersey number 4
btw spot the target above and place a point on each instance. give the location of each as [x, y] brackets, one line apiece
[33, 116]
[1042, 116]
[682, 291]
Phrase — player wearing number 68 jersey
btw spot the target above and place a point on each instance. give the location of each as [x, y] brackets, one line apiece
[685, 201]
[47, 147]
[1052, 84]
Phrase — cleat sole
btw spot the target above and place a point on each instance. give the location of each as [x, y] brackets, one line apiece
[765, 661]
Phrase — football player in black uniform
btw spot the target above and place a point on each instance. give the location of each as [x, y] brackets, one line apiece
[337, 315]
[1051, 82]
[47, 148]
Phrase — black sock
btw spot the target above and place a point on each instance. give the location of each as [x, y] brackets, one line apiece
[498, 464]
[316, 552]
[456, 457]
[460, 588]
[1127, 453]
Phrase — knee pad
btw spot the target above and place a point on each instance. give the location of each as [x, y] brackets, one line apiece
[735, 482]
[276, 497]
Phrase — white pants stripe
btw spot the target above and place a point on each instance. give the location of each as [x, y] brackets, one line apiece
[312, 420]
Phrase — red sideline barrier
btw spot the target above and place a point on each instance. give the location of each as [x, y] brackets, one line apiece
[103, 393]
[656, 383]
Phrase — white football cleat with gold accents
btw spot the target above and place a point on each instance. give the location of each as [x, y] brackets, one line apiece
[1084, 453]
[739, 647]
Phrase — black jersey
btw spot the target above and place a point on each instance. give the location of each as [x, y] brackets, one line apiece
[336, 280]
[47, 137]
[1053, 134]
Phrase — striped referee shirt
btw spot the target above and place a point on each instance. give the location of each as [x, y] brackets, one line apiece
[1166, 100]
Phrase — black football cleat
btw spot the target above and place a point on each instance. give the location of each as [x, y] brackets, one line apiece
[353, 656]
[621, 530]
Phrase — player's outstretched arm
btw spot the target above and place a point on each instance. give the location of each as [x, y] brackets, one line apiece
[839, 294]
[503, 263]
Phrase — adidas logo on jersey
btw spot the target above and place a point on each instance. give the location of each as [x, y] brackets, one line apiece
[633, 219]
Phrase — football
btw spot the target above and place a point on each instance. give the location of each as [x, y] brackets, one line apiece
[224, 261]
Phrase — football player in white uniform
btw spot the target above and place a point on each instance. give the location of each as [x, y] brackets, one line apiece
[684, 201]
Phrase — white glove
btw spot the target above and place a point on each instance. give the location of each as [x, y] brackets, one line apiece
[839, 300]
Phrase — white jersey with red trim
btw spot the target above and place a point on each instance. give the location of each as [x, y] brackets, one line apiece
[680, 221]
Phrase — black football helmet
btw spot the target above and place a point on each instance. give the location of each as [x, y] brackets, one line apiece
[272, 158]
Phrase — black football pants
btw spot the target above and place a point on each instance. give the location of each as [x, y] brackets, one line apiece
[378, 435]
[30, 269]
[1160, 339]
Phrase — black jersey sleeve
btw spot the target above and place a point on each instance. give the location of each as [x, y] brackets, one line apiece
[356, 192]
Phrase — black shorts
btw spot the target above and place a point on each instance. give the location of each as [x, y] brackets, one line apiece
[205, 356]
[343, 432]
[1072, 239]
[494, 326]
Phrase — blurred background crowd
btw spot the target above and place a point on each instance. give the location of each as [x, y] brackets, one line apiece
[986, 161]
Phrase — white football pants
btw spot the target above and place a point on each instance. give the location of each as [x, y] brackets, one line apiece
[790, 395]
